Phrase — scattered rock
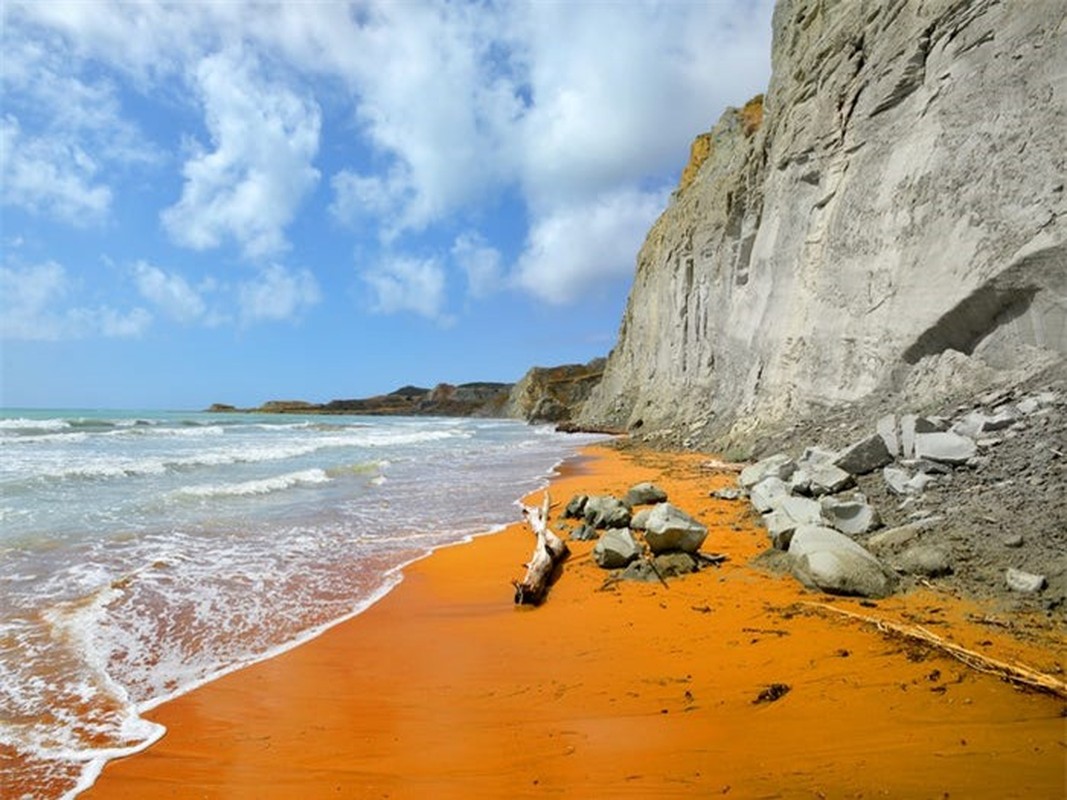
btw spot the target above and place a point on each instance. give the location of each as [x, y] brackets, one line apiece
[896, 537]
[765, 493]
[830, 561]
[727, 493]
[887, 429]
[669, 528]
[789, 514]
[576, 507]
[946, 447]
[778, 466]
[864, 456]
[605, 511]
[640, 519]
[645, 494]
[925, 560]
[851, 517]
[1012, 540]
[1024, 582]
[615, 549]
[584, 533]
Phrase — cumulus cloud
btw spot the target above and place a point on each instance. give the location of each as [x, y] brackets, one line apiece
[408, 284]
[250, 185]
[170, 292]
[571, 111]
[50, 175]
[481, 262]
[32, 308]
[572, 249]
[277, 295]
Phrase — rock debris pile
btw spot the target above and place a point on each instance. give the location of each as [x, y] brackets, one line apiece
[657, 542]
[826, 508]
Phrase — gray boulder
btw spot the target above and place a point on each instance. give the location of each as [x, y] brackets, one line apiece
[727, 493]
[645, 494]
[895, 538]
[605, 511]
[864, 456]
[887, 429]
[640, 519]
[779, 466]
[1024, 582]
[669, 528]
[584, 533]
[615, 549]
[851, 517]
[830, 561]
[910, 425]
[764, 494]
[665, 565]
[925, 560]
[946, 447]
[900, 482]
[790, 513]
[576, 507]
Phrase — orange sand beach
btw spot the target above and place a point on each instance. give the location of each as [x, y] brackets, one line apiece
[445, 689]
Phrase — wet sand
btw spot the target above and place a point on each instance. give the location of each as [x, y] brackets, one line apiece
[444, 689]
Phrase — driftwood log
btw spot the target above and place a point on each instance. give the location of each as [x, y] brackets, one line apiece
[549, 552]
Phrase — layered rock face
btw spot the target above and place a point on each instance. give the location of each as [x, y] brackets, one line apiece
[553, 394]
[899, 214]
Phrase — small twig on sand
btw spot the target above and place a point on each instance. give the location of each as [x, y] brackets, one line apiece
[1013, 673]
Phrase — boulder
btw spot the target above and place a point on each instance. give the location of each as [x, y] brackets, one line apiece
[669, 528]
[894, 538]
[834, 563]
[925, 560]
[1024, 582]
[576, 507]
[851, 517]
[764, 494]
[605, 511]
[727, 493]
[946, 447]
[887, 429]
[645, 494]
[864, 456]
[584, 533]
[615, 549]
[640, 519]
[789, 513]
[900, 482]
[778, 466]
[828, 479]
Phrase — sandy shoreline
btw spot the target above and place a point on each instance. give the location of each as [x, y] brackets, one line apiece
[444, 689]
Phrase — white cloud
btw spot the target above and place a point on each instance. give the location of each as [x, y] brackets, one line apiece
[277, 295]
[569, 251]
[31, 308]
[170, 292]
[481, 263]
[408, 284]
[50, 175]
[250, 186]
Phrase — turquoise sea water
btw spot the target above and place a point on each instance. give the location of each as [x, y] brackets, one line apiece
[143, 553]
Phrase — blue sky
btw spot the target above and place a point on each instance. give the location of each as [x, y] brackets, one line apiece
[238, 202]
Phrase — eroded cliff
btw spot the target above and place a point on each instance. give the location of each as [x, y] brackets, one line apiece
[896, 223]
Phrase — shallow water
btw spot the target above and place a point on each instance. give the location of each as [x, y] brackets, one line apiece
[143, 553]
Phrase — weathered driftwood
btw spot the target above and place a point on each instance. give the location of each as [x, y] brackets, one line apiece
[549, 552]
[1019, 674]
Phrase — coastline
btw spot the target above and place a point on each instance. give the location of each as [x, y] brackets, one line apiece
[443, 688]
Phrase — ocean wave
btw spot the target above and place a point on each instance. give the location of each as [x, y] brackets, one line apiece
[19, 424]
[307, 477]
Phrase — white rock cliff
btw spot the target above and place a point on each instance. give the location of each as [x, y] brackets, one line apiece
[899, 212]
